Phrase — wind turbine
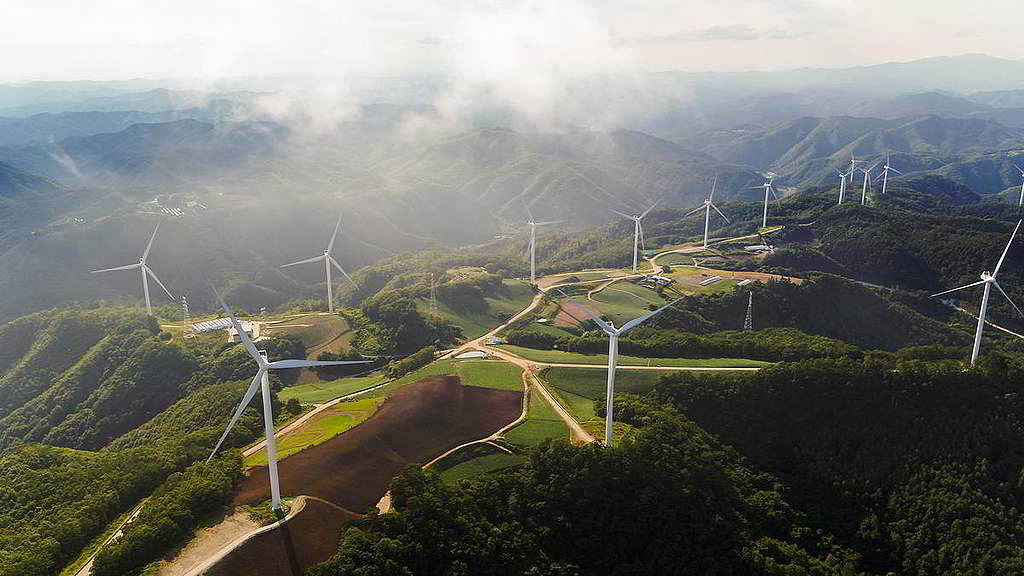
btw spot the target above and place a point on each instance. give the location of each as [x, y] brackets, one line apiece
[613, 358]
[885, 172]
[262, 382]
[767, 188]
[1021, 170]
[146, 271]
[853, 166]
[988, 280]
[708, 205]
[638, 230]
[533, 224]
[867, 182]
[328, 260]
[842, 184]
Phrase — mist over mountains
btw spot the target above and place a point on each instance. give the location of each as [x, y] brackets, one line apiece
[413, 168]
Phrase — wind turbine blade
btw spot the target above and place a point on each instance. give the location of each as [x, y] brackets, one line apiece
[306, 261]
[973, 284]
[249, 346]
[714, 184]
[694, 211]
[128, 267]
[772, 188]
[1005, 250]
[1007, 296]
[528, 213]
[640, 228]
[638, 321]
[895, 170]
[238, 411]
[607, 327]
[621, 214]
[153, 276]
[549, 222]
[1019, 169]
[720, 212]
[281, 364]
[342, 270]
[646, 212]
[151, 238]
[335, 235]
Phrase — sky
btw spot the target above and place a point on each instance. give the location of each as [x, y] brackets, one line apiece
[207, 40]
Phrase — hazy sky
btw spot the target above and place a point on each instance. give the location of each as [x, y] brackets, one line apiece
[110, 39]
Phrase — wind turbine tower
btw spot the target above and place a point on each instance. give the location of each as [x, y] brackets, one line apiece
[638, 230]
[867, 183]
[328, 261]
[708, 205]
[147, 272]
[842, 185]
[261, 382]
[768, 188]
[885, 173]
[988, 280]
[613, 358]
[533, 224]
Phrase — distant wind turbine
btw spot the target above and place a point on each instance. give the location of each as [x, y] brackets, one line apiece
[262, 382]
[328, 261]
[533, 224]
[638, 230]
[988, 280]
[853, 167]
[708, 205]
[613, 358]
[885, 173]
[767, 188]
[867, 183]
[146, 271]
[842, 184]
[1021, 170]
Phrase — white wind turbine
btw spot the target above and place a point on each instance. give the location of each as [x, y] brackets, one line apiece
[1021, 170]
[842, 184]
[533, 224]
[853, 167]
[613, 358]
[146, 271]
[262, 382]
[867, 182]
[328, 261]
[885, 172]
[708, 205]
[767, 188]
[988, 280]
[638, 230]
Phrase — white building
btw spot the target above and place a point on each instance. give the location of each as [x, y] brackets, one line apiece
[251, 328]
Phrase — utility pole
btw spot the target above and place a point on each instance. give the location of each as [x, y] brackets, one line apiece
[433, 294]
[186, 327]
[748, 322]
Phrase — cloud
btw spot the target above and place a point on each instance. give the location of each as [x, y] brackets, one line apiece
[721, 33]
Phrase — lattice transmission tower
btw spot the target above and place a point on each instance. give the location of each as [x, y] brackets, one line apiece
[748, 322]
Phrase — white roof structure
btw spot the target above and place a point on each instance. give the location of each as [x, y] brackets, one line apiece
[212, 325]
[472, 354]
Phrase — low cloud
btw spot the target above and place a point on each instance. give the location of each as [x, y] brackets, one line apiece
[721, 33]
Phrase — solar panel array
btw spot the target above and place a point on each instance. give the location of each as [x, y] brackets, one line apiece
[212, 325]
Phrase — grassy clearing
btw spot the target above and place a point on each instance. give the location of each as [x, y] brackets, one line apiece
[319, 429]
[581, 388]
[320, 333]
[517, 295]
[475, 460]
[560, 357]
[624, 301]
[541, 423]
[489, 374]
[320, 391]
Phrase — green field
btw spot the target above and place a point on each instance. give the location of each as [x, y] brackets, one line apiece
[580, 388]
[318, 429]
[475, 460]
[319, 391]
[623, 301]
[319, 332]
[489, 374]
[519, 295]
[560, 357]
[542, 422]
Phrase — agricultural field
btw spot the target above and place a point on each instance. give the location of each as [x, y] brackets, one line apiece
[623, 301]
[320, 428]
[580, 388]
[475, 460]
[319, 332]
[318, 391]
[560, 357]
[541, 423]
